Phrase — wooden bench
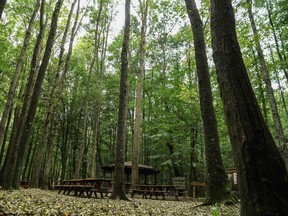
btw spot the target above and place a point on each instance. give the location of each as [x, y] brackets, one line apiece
[89, 186]
[65, 188]
[150, 190]
[143, 190]
[104, 191]
[197, 184]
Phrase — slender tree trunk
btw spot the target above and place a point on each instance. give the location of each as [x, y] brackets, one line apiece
[268, 5]
[66, 129]
[193, 156]
[97, 105]
[263, 179]
[139, 96]
[118, 187]
[282, 96]
[35, 96]
[14, 81]
[86, 99]
[2, 6]
[49, 159]
[261, 89]
[175, 166]
[26, 166]
[217, 178]
[5, 136]
[37, 162]
[269, 89]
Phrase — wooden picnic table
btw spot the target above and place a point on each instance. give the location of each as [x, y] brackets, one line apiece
[89, 186]
[156, 190]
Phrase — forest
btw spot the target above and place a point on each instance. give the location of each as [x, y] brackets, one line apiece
[189, 87]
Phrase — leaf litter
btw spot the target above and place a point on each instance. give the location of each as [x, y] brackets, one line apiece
[42, 202]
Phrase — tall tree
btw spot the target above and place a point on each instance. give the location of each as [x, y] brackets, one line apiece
[280, 56]
[98, 100]
[11, 155]
[263, 178]
[14, 80]
[38, 157]
[268, 84]
[118, 187]
[139, 95]
[217, 179]
[85, 108]
[16, 170]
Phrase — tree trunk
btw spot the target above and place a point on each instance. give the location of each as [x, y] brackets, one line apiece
[263, 179]
[268, 3]
[26, 166]
[193, 156]
[37, 162]
[3, 147]
[17, 71]
[217, 177]
[261, 89]
[118, 187]
[139, 95]
[10, 160]
[2, 6]
[48, 163]
[269, 89]
[35, 98]
[97, 105]
[281, 90]
[175, 166]
[66, 129]
[86, 99]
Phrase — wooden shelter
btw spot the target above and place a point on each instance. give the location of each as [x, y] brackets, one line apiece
[147, 174]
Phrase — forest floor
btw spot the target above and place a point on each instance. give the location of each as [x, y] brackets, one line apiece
[40, 202]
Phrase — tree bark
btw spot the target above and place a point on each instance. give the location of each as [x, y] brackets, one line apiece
[218, 189]
[263, 179]
[139, 96]
[44, 184]
[118, 187]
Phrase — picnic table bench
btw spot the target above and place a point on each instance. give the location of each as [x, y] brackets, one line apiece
[156, 190]
[89, 186]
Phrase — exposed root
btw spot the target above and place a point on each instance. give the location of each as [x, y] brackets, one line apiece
[231, 199]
